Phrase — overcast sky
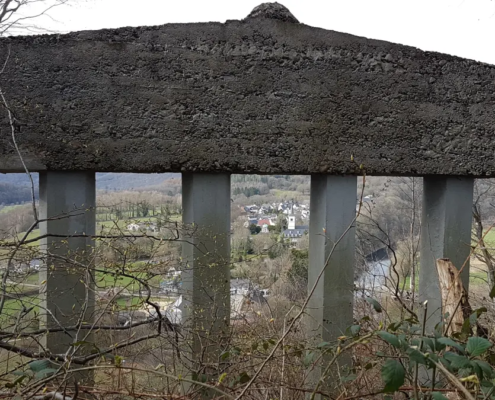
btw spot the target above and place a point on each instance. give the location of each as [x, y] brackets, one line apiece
[461, 27]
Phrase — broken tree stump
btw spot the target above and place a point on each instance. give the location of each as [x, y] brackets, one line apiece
[455, 300]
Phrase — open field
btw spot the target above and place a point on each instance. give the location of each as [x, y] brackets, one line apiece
[103, 280]
[477, 277]
[102, 227]
[490, 237]
[13, 307]
[6, 209]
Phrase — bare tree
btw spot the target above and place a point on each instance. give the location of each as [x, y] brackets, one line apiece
[483, 192]
[17, 16]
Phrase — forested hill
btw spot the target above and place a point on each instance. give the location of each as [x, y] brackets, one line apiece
[11, 193]
[111, 181]
[15, 188]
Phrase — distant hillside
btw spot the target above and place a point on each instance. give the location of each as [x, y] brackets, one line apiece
[125, 181]
[11, 193]
[14, 188]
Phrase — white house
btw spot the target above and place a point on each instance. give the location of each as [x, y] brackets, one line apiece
[172, 273]
[293, 232]
[133, 227]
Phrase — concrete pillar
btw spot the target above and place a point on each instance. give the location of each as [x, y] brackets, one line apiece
[445, 233]
[67, 200]
[206, 279]
[333, 210]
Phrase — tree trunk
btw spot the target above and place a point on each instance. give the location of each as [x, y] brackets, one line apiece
[454, 296]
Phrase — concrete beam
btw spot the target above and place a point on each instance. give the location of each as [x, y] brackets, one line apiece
[446, 223]
[206, 279]
[67, 200]
[332, 248]
[263, 95]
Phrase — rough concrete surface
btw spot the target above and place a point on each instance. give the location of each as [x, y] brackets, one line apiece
[263, 95]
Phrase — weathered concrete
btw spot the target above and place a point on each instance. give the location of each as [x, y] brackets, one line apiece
[206, 279]
[265, 95]
[332, 248]
[445, 233]
[67, 199]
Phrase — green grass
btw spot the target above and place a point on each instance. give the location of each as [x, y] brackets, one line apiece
[119, 225]
[107, 280]
[12, 308]
[31, 279]
[7, 209]
[475, 279]
[490, 237]
[20, 287]
[129, 302]
[105, 226]
[32, 235]
[122, 223]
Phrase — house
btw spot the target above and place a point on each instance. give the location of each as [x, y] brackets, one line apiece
[133, 227]
[252, 209]
[264, 221]
[172, 273]
[171, 286]
[35, 264]
[21, 268]
[152, 227]
[144, 226]
[293, 232]
[240, 290]
[265, 208]
[250, 221]
[172, 282]
[241, 286]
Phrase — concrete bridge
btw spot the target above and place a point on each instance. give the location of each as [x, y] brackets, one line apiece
[265, 95]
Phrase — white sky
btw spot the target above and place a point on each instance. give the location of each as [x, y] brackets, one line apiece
[461, 27]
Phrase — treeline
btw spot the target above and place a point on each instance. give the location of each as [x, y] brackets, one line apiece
[250, 191]
[131, 204]
[170, 187]
[259, 185]
[18, 219]
[11, 193]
